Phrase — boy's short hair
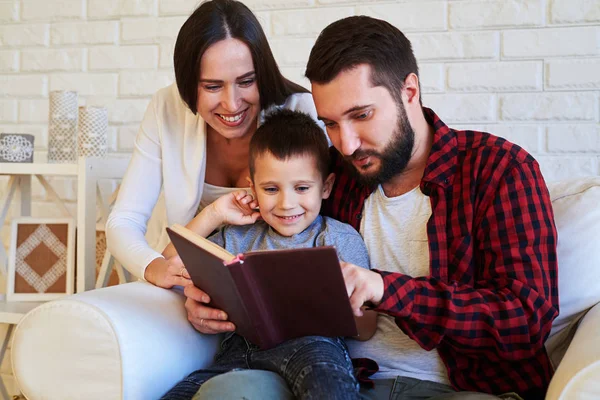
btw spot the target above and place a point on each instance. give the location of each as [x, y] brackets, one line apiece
[286, 133]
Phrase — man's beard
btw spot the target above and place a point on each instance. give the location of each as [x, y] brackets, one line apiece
[394, 158]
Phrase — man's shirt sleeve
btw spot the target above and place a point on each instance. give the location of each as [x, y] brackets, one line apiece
[508, 309]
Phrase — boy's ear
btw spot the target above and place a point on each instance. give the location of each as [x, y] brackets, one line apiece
[328, 185]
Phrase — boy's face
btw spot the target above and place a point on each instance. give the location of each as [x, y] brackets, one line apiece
[289, 192]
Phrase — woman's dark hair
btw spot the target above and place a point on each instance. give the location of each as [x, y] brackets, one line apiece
[286, 133]
[212, 22]
[352, 41]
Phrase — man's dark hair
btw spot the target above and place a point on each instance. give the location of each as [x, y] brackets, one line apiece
[217, 20]
[357, 40]
[286, 134]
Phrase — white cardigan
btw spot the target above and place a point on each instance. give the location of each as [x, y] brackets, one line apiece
[169, 154]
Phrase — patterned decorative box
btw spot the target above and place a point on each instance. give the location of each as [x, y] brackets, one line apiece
[93, 131]
[62, 127]
[16, 147]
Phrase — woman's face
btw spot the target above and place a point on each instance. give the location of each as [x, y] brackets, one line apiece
[228, 98]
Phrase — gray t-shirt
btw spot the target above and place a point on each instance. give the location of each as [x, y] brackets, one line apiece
[324, 231]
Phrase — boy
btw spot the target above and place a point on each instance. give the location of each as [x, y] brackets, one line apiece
[289, 162]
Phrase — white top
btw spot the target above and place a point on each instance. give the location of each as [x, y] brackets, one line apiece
[211, 193]
[395, 232]
[169, 154]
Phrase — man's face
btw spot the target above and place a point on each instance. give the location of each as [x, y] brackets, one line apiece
[365, 124]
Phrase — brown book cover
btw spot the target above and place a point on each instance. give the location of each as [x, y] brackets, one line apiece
[274, 295]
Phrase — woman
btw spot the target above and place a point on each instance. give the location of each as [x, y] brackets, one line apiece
[193, 140]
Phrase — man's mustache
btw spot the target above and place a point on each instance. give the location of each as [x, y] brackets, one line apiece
[358, 154]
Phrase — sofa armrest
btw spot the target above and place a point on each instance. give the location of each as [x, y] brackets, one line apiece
[578, 374]
[131, 341]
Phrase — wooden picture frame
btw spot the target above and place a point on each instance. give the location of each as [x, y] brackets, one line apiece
[42, 259]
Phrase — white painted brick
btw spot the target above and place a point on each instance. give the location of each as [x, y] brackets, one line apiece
[264, 18]
[573, 138]
[561, 168]
[9, 60]
[23, 85]
[548, 107]
[98, 9]
[411, 16]
[136, 83]
[46, 209]
[52, 60]
[455, 46]
[496, 13]
[65, 188]
[176, 7]
[344, 1]
[462, 107]
[296, 74]
[121, 111]
[24, 35]
[51, 10]
[86, 84]
[573, 74]
[431, 77]
[531, 43]
[111, 140]
[526, 136]
[150, 30]
[38, 192]
[122, 57]
[9, 10]
[126, 137]
[277, 4]
[574, 11]
[128, 111]
[495, 77]
[39, 132]
[292, 51]
[92, 32]
[306, 22]
[8, 111]
[31, 111]
[165, 54]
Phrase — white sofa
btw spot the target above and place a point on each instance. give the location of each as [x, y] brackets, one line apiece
[134, 342]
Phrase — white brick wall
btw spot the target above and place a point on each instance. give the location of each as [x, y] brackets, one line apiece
[527, 70]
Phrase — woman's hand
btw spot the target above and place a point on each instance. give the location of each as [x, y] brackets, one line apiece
[205, 319]
[236, 208]
[166, 273]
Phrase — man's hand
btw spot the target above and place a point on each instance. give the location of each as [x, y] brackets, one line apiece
[362, 286]
[205, 319]
[236, 208]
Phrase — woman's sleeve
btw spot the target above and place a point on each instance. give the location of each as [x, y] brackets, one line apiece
[139, 191]
[304, 102]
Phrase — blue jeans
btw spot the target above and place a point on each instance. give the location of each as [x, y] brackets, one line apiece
[313, 367]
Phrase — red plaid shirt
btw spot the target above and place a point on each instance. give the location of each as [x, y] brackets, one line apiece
[488, 304]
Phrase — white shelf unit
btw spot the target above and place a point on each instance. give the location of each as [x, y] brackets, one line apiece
[88, 172]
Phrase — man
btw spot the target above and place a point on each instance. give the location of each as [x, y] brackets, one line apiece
[458, 225]
[483, 293]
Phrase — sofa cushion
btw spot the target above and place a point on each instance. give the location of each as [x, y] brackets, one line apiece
[576, 205]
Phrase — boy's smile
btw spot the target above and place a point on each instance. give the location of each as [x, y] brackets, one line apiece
[289, 192]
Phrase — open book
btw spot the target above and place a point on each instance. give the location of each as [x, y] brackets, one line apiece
[272, 295]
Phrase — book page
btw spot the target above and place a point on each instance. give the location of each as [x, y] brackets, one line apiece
[204, 243]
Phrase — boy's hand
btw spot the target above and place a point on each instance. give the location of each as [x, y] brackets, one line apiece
[236, 208]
